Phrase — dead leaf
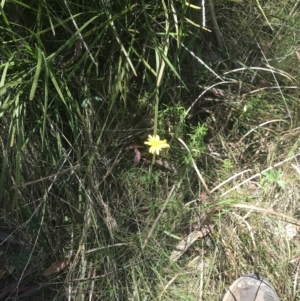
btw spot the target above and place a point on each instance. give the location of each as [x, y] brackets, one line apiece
[137, 157]
[166, 164]
[203, 196]
[56, 267]
[291, 231]
[185, 243]
[134, 146]
[298, 53]
[218, 92]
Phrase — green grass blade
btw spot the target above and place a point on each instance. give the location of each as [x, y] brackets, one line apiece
[4, 72]
[4, 88]
[142, 59]
[57, 88]
[4, 16]
[122, 47]
[45, 100]
[37, 74]
[263, 13]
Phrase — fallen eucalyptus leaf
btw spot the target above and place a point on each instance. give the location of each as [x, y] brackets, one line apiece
[185, 243]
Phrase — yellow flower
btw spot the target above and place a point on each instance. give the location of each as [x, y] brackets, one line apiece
[156, 145]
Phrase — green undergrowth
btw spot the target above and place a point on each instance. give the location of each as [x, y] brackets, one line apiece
[87, 213]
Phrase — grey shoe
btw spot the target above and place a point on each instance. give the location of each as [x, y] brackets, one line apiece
[251, 288]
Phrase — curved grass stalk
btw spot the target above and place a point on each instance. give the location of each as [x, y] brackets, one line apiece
[263, 13]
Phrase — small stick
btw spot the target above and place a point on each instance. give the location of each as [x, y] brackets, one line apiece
[159, 216]
[196, 168]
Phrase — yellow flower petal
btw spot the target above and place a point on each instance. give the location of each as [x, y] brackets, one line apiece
[156, 145]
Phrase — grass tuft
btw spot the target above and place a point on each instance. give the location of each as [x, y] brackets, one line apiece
[86, 212]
